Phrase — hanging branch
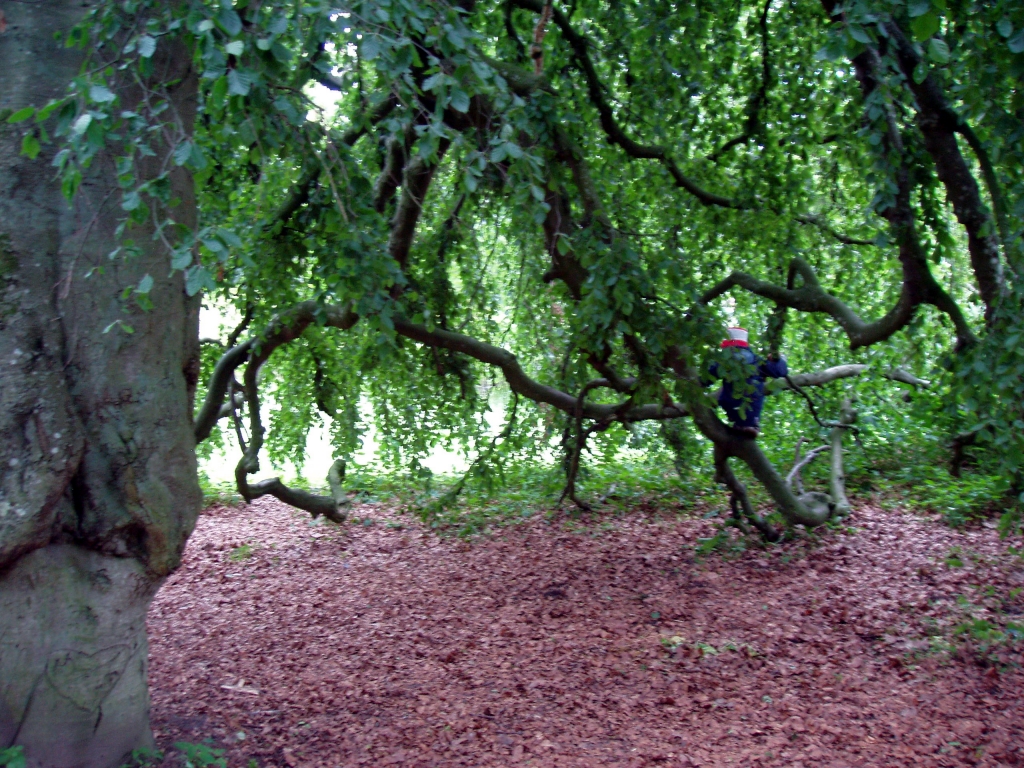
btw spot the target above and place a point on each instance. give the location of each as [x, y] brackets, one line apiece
[510, 30]
[537, 47]
[453, 493]
[581, 440]
[738, 495]
[333, 507]
[760, 96]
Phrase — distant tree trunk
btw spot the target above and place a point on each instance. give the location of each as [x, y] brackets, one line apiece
[98, 487]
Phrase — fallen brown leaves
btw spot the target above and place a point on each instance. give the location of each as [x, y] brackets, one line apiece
[604, 646]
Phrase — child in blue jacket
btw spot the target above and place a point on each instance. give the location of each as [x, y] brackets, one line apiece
[744, 407]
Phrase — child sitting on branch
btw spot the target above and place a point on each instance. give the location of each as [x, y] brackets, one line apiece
[744, 400]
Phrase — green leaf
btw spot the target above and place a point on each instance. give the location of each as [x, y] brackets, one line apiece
[278, 25]
[1016, 43]
[938, 51]
[229, 21]
[46, 111]
[145, 284]
[131, 200]
[181, 258]
[30, 146]
[858, 33]
[370, 49]
[147, 46]
[101, 94]
[1005, 27]
[925, 26]
[918, 8]
[281, 53]
[81, 125]
[235, 47]
[239, 83]
[498, 153]
[13, 757]
[229, 237]
[22, 114]
[219, 92]
[197, 278]
[460, 100]
[197, 158]
[182, 152]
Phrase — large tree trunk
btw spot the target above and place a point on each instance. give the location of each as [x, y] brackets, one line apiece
[98, 488]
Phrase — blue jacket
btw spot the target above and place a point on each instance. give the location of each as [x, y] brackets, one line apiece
[744, 407]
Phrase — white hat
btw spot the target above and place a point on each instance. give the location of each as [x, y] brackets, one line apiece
[737, 334]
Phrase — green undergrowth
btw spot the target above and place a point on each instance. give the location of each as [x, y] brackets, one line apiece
[218, 492]
[192, 755]
[12, 757]
[467, 505]
[960, 501]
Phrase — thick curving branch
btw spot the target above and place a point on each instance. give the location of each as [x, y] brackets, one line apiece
[918, 287]
[729, 443]
[596, 90]
[612, 129]
[217, 389]
[522, 384]
[939, 123]
[811, 297]
[332, 507]
[815, 220]
[391, 175]
[416, 180]
[988, 173]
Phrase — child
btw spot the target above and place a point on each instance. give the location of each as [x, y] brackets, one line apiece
[743, 404]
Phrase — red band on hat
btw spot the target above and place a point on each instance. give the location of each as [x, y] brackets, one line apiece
[734, 343]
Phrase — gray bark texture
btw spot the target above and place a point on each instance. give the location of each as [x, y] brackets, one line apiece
[98, 486]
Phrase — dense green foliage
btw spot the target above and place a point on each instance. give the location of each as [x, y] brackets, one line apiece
[399, 158]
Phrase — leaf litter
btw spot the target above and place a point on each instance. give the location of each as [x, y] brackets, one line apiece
[379, 643]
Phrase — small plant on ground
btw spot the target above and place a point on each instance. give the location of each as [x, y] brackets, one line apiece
[12, 757]
[240, 553]
[144, 758]
[201, 755]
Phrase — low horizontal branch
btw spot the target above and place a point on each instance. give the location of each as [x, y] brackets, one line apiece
[816, 378]
[905, 377]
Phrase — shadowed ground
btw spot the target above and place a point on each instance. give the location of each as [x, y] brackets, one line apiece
[385, 645]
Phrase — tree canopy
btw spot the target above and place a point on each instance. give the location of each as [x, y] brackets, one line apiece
[573, 200]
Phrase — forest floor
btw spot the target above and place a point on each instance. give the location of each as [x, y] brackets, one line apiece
[890, 641]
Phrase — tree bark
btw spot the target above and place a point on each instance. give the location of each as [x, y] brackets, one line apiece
[98, 486]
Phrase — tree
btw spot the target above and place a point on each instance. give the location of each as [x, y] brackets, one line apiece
[645, 148]
[99, 489]
[571, 199]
